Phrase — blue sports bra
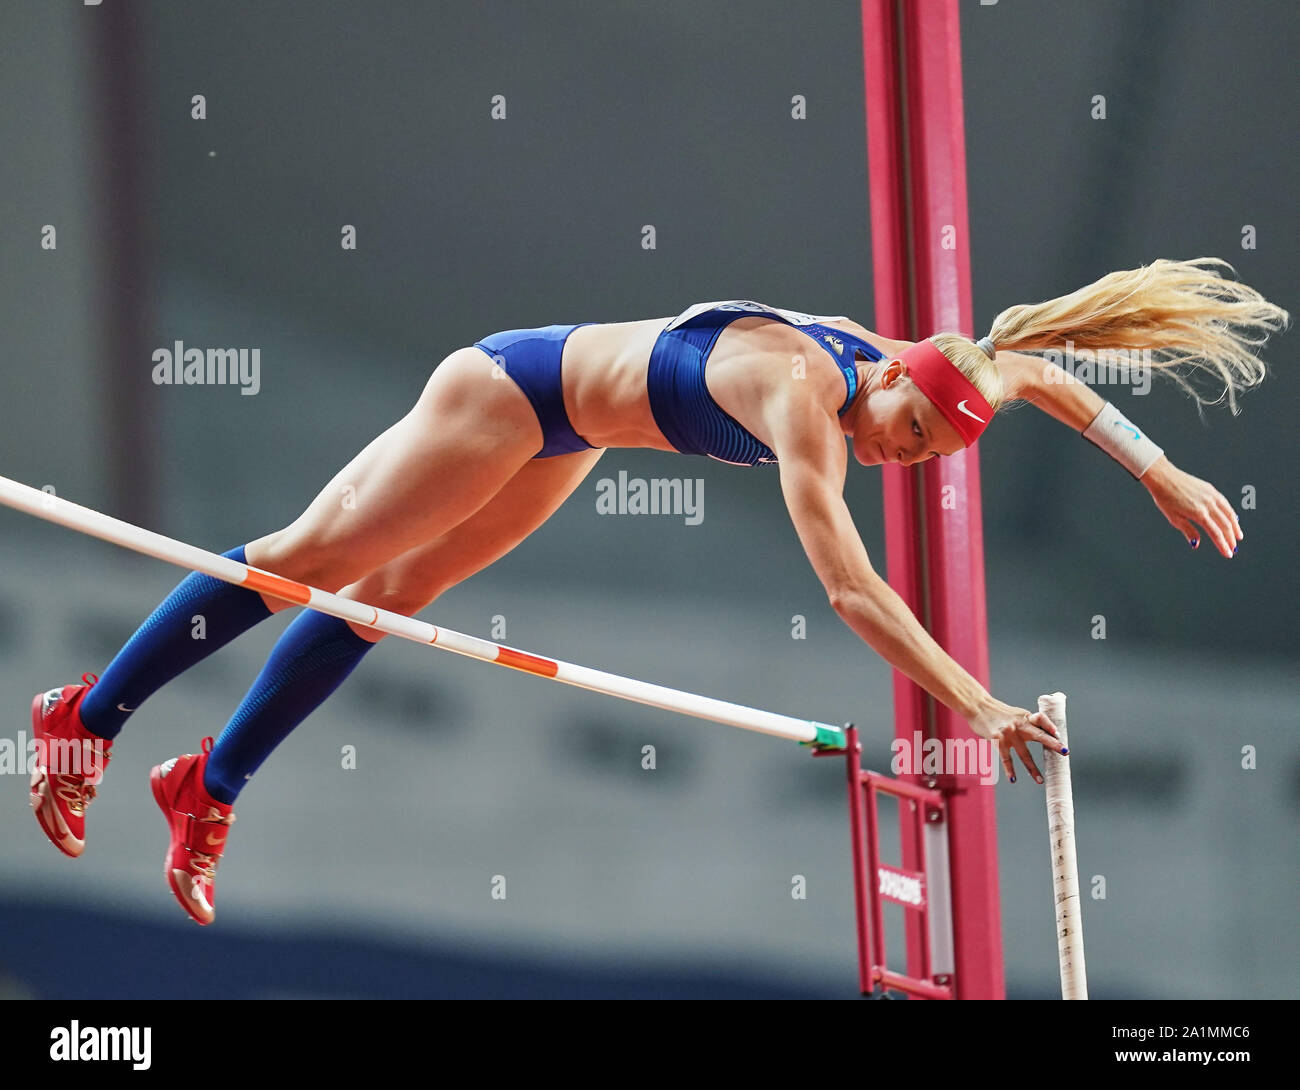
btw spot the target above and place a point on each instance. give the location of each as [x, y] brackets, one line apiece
[684, 410]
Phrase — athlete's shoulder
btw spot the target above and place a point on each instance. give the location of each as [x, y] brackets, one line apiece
[887, 345]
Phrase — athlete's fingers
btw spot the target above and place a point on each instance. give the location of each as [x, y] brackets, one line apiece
[1027, 758]
[1005, 749]
[1184, 527]
[1043, 721]
[1216, 532]
[1047, 741]
[1231, 515]
[1223, 521]
[1050, 741]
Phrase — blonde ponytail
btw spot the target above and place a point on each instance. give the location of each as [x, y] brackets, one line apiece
[1185, 313]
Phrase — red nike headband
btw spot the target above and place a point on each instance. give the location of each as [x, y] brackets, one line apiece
[936, 376]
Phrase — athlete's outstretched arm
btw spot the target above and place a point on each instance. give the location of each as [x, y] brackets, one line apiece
[812, 458]
[1186, 501]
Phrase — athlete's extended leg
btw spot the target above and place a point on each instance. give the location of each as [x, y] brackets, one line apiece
[314, 656]
[468, 433]
[317, 652]
[444, 459]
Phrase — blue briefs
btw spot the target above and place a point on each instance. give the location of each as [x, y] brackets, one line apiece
[531, 357]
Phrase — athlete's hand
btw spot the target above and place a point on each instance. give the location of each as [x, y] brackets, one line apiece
[1012, 728]
[1188, 502]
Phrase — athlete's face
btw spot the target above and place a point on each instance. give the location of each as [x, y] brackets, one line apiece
[895, 422]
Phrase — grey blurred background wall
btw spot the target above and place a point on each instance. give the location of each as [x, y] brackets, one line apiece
[225, 232]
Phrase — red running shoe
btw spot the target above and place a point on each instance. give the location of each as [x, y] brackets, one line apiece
[199, 826]
[70, 761]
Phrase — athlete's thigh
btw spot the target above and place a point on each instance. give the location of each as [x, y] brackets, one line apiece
[466, 436]
[413, 580]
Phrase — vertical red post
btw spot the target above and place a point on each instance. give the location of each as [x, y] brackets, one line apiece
[916, 152]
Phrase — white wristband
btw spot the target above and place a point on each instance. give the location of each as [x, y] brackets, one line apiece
[1117, 436]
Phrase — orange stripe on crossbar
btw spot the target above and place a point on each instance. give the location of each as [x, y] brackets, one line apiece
[519, 660]
[277, 587]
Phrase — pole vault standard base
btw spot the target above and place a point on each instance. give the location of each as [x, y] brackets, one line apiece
[925, 893]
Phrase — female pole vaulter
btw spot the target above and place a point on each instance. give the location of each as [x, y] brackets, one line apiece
[506, 429]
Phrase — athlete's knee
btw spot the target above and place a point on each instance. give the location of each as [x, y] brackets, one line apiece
[394, 598]
[296, 556]
[370, 635]
[403, 605]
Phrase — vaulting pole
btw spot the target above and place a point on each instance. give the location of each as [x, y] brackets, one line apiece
[1065, 865]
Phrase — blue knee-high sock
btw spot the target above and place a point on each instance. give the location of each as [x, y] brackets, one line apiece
[311, 660]
[165, 645]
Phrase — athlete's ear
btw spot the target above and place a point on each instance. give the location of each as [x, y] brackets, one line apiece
[894, 370]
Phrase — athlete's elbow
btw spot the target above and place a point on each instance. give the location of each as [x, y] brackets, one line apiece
[856, 598]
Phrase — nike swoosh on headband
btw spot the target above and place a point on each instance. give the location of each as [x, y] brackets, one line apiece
[961, 406]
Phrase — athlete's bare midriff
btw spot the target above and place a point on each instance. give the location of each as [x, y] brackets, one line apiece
[604, 375]
[604, 380]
